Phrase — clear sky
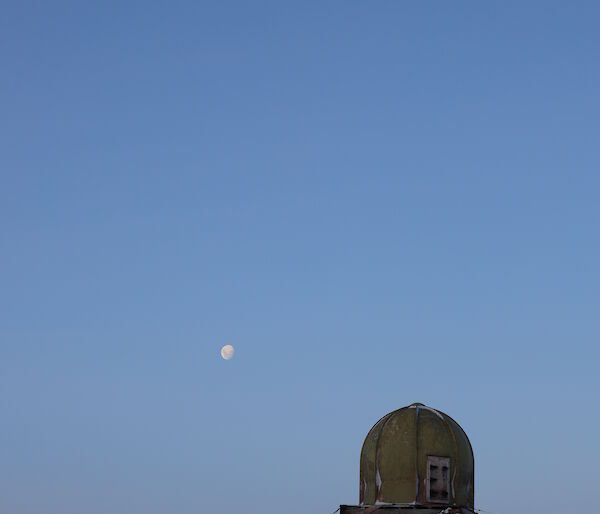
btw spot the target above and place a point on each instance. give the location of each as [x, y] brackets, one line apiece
[376, 203]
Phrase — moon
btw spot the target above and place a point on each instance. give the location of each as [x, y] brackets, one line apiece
[227, 352]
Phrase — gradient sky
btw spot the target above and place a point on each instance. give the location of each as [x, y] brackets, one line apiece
[376, 203]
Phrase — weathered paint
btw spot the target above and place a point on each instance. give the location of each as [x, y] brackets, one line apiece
[393, 463]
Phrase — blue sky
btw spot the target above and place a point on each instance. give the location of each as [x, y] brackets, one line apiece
[376, 203]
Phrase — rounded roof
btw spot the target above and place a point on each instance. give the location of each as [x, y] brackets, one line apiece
[417, 455]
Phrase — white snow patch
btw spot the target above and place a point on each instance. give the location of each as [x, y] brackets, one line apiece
[424, 407]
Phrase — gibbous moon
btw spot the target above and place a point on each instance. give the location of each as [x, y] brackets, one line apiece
[227, 352]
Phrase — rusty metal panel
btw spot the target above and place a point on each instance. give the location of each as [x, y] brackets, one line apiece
[397, 459]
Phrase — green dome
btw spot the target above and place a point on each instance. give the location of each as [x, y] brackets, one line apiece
[417, 455]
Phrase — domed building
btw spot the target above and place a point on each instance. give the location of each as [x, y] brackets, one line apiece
[415, 458]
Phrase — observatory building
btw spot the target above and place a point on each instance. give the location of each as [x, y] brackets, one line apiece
[415, 458]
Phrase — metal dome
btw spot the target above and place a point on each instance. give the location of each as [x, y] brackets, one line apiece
[419, 456]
